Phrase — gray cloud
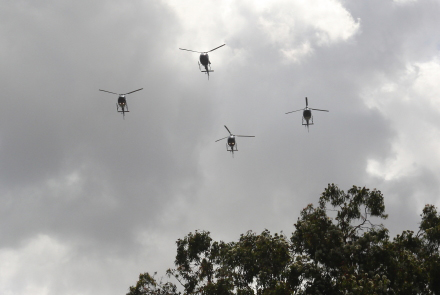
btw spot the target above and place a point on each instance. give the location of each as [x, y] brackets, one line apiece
[96, 199]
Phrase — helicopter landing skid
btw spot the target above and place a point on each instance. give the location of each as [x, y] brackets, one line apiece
[309, 123]
[207, 71]
[231, 149]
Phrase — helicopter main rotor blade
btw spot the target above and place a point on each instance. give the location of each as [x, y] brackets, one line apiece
[294, 111]
[190, 50]
[216, 48]
[307, 102]
[221, 138]
[133, 91]
[228, 130]
[319, 110]
[108, 91]
[244, 136]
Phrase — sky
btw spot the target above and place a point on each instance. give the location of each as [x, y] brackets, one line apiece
[88, 201]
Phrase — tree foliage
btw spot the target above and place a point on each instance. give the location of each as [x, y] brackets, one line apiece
[337, 248]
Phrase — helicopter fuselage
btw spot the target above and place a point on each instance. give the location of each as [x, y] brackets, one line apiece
[204, 59]
[231, 144]
[307, 114]
[231, 141]
[122, 102]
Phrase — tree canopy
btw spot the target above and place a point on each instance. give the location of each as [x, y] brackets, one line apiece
[336, 248]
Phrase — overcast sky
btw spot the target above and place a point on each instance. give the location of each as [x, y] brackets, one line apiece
[89, 200]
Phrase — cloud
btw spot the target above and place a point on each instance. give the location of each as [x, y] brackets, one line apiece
[326, 21]
[45, 265]
[294, 27]
[410, 103]
[101, 199]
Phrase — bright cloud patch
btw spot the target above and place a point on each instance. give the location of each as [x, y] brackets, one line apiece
[405, 1]
[413, 108]
[295, 54]
[294, 26]
[297, 26]
[35, 262]
[44, 265]
[329, 19]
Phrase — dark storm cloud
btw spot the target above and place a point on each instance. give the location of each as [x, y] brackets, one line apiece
[58, 125]
[71, 167]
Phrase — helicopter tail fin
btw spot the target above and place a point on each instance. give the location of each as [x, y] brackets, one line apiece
[207, 72]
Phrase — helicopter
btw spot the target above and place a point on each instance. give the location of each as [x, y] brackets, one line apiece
[307, 114]
[231, 145]
[122, 102]
[204, 59]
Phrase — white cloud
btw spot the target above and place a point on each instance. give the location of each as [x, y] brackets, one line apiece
[297, 27]
[294, 27]
[427, 83]
[35, 261]
[404, 1]
[295, 54]
[330, 21]
[411, 105]
[44, 265]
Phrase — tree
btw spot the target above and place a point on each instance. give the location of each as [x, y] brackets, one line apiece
[336, 248]
[147, 284]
